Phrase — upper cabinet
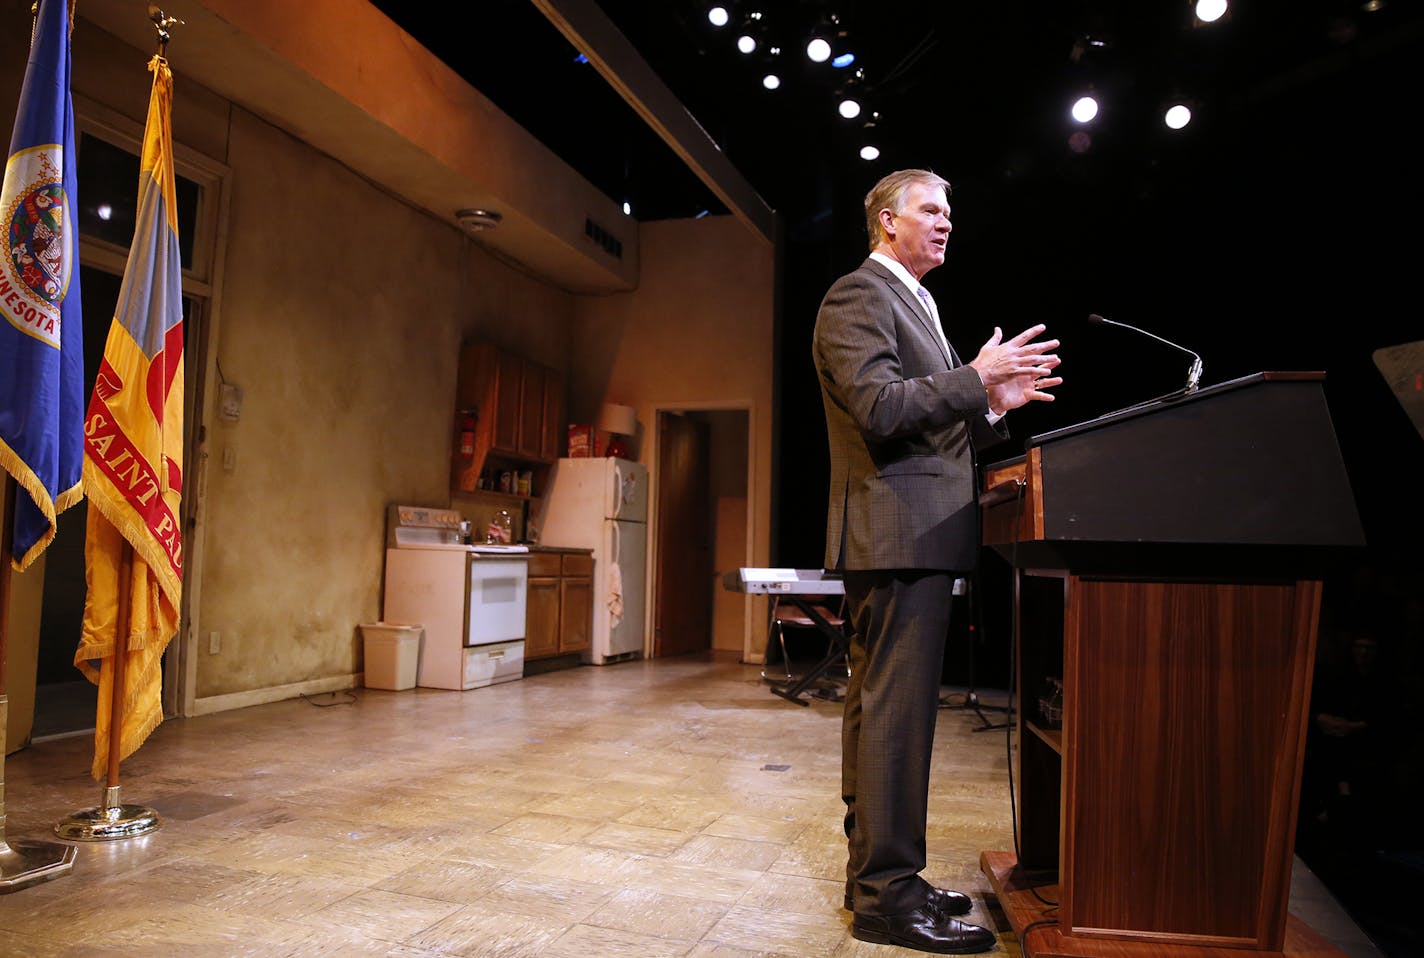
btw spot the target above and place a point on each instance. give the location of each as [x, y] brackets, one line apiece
[508, 415]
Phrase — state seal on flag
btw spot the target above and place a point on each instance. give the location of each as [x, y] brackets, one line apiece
[34, 273]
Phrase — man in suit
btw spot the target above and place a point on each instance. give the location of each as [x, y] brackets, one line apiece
[901, 525]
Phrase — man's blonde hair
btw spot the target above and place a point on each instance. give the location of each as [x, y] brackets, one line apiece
[889, 194]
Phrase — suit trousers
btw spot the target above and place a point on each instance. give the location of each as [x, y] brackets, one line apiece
[900, 620]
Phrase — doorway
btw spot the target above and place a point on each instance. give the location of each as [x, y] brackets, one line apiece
[66, 701]
[701, 522]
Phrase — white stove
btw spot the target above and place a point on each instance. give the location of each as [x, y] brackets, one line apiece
[470, 598]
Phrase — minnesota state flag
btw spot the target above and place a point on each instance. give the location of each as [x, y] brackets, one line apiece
[133, 458]
[41, 326]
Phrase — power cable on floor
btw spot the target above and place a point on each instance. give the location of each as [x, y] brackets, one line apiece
[350, 699]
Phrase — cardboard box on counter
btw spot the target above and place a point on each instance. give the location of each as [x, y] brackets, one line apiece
[582, 443]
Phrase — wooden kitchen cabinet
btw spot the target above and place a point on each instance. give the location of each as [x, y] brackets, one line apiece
[506, 413]
[552, 429]
[560, 610]
[541, 616]
[576, 607]
[517, 405]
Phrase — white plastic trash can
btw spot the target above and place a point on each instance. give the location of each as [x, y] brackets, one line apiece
[392, 654]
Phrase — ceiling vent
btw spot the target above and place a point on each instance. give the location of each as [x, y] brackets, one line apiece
[611, 244]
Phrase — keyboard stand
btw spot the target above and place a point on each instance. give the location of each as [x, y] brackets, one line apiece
[800, 587]
[838, 648]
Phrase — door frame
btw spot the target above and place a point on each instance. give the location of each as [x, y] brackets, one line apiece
[652, 456]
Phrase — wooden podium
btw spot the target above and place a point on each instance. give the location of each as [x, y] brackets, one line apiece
[1167, 564]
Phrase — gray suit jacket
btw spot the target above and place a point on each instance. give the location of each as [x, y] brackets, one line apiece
[899, 413]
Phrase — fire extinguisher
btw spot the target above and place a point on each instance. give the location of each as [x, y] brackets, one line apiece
[467, 433]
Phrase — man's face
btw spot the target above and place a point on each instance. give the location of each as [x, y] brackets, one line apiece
[919, 233]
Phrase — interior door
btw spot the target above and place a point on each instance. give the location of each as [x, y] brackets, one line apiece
[683, 607]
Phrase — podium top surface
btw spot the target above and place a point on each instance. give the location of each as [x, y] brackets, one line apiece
[1158, 405]
[1244, 466]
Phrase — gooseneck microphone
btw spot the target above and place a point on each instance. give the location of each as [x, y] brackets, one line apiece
[1193, 375]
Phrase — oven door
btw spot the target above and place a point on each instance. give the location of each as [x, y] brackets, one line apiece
[495, 595]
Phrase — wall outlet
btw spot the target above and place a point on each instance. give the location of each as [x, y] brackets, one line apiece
[214, 643]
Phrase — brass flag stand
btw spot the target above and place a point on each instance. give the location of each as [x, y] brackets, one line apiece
[111, 819]
[22, 863]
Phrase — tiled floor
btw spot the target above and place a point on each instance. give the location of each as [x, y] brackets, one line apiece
[673, 807]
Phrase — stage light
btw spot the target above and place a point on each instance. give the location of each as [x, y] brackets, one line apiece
[1085, 109]
[819, 49]
[771, 81]
[627, 208]
[1210, 11]
[718, 16]
[843, 61]
[1177, 116]
[752, 34]
[1087, 47]
[849, 108]
[869, 152]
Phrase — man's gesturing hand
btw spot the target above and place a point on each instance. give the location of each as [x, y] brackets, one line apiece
[1017, 371]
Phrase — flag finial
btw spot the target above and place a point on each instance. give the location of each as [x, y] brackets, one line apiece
[161, 22]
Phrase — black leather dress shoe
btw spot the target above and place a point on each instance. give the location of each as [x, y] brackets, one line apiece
[952, 903]
[924, 929]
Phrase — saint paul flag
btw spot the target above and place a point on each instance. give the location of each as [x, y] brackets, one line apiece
[133, 457]
[41, 328]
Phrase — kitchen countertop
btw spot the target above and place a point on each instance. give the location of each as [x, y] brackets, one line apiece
[534, 547]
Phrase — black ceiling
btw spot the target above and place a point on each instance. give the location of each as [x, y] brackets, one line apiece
[978, 91]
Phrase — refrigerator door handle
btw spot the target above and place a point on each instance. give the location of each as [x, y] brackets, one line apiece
[617, 544]
[617, 490]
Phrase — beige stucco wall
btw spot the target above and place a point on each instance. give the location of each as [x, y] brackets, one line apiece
[339, 325]
[342, 315]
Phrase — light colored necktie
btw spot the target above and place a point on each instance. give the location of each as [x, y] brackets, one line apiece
[928, 300]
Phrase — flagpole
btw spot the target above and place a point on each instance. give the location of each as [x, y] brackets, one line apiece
[22, 863]
[112, 819]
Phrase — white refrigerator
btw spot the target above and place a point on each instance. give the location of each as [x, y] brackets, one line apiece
[602, 504]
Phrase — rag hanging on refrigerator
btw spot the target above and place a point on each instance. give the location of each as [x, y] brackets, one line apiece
[615, 594]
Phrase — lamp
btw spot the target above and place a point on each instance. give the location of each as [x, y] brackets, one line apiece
[620, 421]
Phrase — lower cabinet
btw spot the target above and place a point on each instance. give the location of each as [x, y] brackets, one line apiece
[560, 610]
